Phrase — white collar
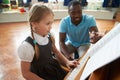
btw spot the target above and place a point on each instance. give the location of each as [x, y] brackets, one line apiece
[40, 39]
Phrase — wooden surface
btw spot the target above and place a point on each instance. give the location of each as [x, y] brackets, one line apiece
[11, 36]
[110, 71]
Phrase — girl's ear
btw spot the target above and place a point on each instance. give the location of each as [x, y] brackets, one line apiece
[33, 24]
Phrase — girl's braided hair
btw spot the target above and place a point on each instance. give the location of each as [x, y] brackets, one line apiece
[36, 13]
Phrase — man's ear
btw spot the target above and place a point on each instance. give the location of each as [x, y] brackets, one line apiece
[114, 16]
[69, 12]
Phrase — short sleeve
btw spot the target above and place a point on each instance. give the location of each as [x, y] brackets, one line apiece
[92, 21]
[63, 26]
[26, 52]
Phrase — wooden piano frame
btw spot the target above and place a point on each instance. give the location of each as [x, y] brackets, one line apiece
[108, 72]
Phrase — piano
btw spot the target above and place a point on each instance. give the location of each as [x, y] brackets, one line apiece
[100, 60]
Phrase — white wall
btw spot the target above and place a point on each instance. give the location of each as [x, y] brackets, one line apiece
[59, 14]
[59, 10]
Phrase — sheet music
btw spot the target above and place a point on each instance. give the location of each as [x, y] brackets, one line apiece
[105, 51]
[103, 45]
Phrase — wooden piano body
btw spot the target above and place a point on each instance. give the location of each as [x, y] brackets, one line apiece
[108, 72]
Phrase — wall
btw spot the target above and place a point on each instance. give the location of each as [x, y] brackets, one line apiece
[59, 14]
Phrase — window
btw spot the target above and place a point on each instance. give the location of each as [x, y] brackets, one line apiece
[95, 0]
[55, 0]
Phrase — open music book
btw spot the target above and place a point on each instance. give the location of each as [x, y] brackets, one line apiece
[105, 51]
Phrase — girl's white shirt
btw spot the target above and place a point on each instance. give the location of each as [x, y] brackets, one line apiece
[26, 51]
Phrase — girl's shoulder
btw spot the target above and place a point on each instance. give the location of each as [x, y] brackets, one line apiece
[26, 51]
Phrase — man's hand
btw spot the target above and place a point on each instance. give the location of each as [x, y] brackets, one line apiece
[95, 36]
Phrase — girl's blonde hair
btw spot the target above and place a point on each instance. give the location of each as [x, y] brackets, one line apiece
[37, 11]
[36, 14]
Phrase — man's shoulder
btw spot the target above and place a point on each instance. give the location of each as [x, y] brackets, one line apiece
[88, 17]
[67, 18]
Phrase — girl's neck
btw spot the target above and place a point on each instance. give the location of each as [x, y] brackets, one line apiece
[39, 34]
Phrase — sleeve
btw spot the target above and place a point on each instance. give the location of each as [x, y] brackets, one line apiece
[26, 52]
[63, 26]
[92, 22]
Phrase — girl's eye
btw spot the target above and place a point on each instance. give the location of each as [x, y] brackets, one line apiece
[48, 23]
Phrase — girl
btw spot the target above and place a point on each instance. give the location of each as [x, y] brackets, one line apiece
[37, 61]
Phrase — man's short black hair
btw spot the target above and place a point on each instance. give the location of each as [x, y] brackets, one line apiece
[73, 3]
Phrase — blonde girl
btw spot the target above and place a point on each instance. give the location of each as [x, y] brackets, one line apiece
[36, 52]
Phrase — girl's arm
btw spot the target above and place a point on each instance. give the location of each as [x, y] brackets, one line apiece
[62, 59]
[27, 74]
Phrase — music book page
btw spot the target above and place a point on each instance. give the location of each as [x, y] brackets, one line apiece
[103, 52]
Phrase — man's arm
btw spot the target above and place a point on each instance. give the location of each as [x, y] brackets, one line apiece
[63, 48]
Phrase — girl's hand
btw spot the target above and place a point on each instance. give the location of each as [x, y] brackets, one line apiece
[72, 64]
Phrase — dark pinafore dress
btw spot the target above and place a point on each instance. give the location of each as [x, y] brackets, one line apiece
[46, 66]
